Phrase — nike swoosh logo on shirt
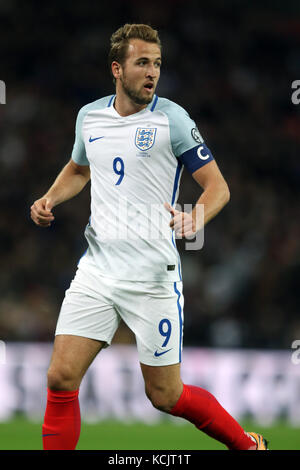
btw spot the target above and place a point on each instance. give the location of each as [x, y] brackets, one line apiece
[95, 138]
[157, 354]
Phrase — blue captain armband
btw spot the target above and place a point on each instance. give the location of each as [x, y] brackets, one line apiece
[196, 157]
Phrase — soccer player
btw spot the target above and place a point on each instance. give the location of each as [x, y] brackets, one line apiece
[133, 146]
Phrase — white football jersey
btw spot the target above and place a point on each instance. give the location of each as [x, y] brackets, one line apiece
[136, 164]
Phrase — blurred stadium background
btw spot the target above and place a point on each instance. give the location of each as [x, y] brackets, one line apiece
[231, 65]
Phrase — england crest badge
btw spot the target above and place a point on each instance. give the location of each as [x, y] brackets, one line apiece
[145, 138]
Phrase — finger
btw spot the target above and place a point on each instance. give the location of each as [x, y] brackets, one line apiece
[179, 234]
[39, 219]
[44, 222]
[171, 209]
[177, 223]
[190, 235]
[40, 211]
[42, 206]
[41, 223]
[187, 226]
[180, 222]
[34, 216]
[41, 215]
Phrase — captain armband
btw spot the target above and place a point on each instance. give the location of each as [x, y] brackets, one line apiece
[196, 157]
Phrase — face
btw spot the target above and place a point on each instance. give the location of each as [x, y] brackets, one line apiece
[140, 72]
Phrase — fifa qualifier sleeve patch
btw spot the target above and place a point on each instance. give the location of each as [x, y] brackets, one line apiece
[196, 157]
[196, 135]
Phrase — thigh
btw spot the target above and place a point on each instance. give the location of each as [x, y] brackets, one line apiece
[154, 312]
[72, 355]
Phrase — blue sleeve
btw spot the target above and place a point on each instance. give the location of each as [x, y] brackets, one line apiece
[78, 153]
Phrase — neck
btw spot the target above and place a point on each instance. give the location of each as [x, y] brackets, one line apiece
[125, 106]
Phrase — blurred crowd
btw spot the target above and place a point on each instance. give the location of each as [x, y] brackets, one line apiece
[231, 66]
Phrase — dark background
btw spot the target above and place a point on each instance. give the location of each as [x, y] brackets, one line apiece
[230, 65]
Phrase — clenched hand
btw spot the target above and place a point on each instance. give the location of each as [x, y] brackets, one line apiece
[41, 213]
[182, 222]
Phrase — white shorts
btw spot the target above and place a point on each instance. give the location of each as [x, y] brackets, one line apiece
[94, 305]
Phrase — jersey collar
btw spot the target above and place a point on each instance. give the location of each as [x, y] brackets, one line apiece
[150, 107]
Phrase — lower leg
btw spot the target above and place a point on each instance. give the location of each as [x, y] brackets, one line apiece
[62, 423]
[166, 391]
[71, 357]
[203, 410]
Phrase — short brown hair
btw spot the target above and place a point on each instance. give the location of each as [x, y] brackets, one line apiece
[119, 40]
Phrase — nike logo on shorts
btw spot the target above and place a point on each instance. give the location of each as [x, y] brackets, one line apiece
[95, 138]
[157, 354]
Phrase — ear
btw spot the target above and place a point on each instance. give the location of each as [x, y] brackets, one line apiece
[116, 69]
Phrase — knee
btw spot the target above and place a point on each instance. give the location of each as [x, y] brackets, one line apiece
[163, 398]
[62, 378]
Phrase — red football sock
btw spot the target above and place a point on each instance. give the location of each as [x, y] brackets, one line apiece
[61, 428]
[202, 409]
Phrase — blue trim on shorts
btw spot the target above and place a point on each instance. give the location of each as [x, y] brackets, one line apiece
[179, 268]
[180, 318]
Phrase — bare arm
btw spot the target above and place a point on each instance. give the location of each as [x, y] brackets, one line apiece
[216, 192]
[70, 181]
[214, 197]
